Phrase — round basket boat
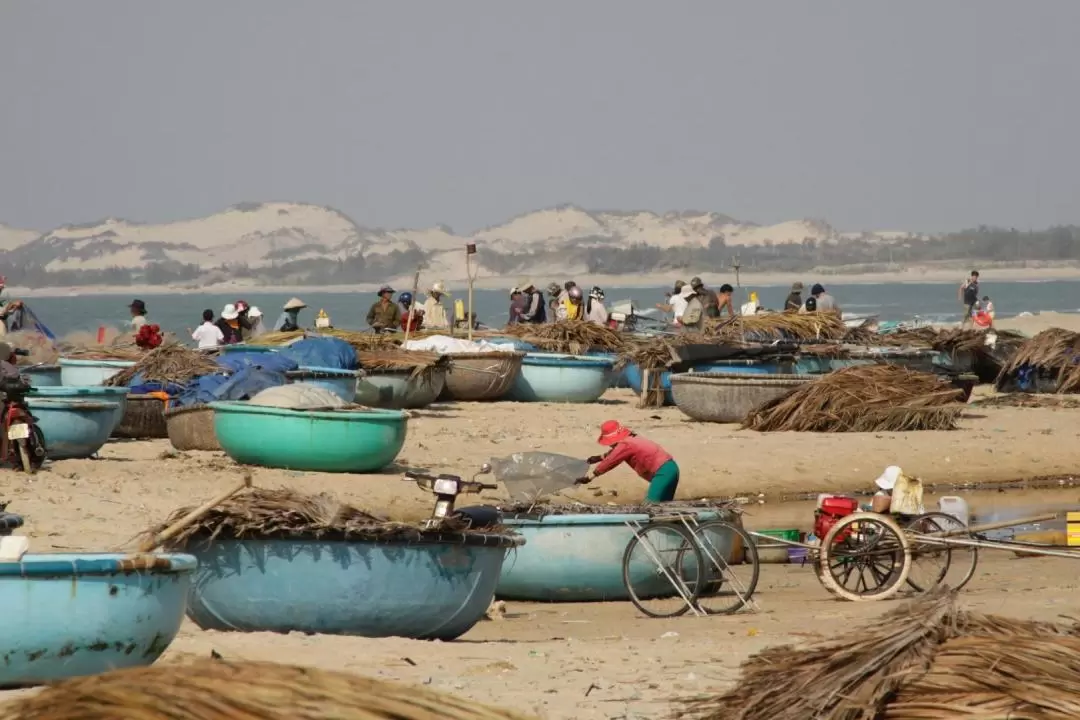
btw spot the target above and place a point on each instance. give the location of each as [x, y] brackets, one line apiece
[355, 441]
[73, 428]
[41, 375]
[76, 373]
[481, 376]
[421, 585]
[192, 428]
[100, 393]
[728, 397]
[340, 382]
[144, 418]
[73, 614]
[577, 557]
[659, 381]
[400, 389]
[557, 378]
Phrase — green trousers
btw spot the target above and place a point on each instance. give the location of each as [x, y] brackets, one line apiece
[665, 481]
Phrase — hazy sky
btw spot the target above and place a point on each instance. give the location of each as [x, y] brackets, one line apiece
[921, 114]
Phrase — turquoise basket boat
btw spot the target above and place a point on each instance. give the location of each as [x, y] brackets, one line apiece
[73, 428]
[557, 378]
[99, 393]
[575, 558]
[73, 614]
[754, 367]
[355, 441]
[922, 359]
[41, 375]
[340, 382]
[80, 373]
[400, 389]
[432, 587]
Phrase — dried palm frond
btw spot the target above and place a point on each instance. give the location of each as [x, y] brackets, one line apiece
[168, 364]
[1055, 352]
[765, 327]
[569, 336]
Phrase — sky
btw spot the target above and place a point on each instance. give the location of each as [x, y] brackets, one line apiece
[919, 115]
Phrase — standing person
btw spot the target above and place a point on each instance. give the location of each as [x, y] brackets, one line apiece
[412, 318]
[984, 315]
[208, 335]
[794, 299]
[435, 316]
[7, 308]
[674, 305]
[595, 312]
[255, 321]
[724, 301]
[243, 308]
[138, 315]
[555, 296]
[517, 306]
[693, 314]
[382, 315]
[969, 297]
[535, 310]
[651, 462]
[820, 301]
[229, 324]
[289, 320]
[571, 307]
[708, 298]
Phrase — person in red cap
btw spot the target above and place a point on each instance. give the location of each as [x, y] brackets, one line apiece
[651, 462]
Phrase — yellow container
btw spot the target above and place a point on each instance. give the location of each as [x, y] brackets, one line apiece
[1072, 526]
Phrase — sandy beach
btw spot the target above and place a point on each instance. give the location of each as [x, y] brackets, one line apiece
[591, 661]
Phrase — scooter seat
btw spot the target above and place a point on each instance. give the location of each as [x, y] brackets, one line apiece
[480, 516]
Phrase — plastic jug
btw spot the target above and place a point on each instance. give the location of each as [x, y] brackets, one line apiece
[955, 506]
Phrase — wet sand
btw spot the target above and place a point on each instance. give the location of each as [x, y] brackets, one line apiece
[591, 661]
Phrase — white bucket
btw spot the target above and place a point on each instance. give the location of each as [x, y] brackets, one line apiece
[957, 507]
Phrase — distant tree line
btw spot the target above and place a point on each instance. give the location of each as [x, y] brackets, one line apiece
[982, 246]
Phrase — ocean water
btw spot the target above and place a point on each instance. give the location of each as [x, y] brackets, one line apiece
[177, 313]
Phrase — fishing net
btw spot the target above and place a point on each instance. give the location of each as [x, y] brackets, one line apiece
[530, 475]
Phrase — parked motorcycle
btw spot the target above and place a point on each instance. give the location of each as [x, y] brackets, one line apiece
[22, 444]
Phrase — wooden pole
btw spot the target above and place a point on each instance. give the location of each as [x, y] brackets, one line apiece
[415, 289]
[177, 527]
[470, 250]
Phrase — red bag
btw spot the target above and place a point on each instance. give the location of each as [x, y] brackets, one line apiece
[149, 337]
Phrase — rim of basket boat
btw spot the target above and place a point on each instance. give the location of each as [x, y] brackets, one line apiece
[479, 538]
[61, 390]
[315, 370]
[97, 363]
[741, 378]
[64, 565]
[241, 408]
[70, 404]
[543, 358]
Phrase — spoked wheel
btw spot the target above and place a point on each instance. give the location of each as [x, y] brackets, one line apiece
[865, 556]
[934, 564]
[731, 567]
[663, 570]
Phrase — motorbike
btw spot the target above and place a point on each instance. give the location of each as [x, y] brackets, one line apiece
[22, 444]
[446, 489]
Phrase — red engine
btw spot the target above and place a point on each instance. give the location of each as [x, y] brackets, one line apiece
[830, 509]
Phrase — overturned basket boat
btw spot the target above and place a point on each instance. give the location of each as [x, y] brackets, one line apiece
[144, 417]
[729, 397]
[481, 376]
[192, 428]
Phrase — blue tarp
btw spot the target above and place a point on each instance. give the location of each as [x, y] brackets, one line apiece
[274, 362]
[324, 352]
[242, 385]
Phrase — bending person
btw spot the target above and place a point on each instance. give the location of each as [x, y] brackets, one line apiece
[651, 462]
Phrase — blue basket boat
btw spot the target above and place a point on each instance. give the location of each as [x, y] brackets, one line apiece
[41, 375]
[73, 428]
[576, 557]
[356, 441]
[72, 614]
[750, 366]
[400, 389]
[424, 586]
[561, 378]
[340, 382]
[80, 373]
[99, 393]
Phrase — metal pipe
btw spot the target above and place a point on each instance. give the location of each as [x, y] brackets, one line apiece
[992, 545]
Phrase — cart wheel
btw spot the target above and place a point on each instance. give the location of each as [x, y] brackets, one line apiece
[731, 567]
[865, 556]
[958, 566]
[662, 570]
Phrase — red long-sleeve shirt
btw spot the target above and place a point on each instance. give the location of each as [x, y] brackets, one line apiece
[643, 456]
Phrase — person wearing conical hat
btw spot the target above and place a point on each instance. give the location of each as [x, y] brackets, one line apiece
[435, 315]
[651, 462]
[289, 321]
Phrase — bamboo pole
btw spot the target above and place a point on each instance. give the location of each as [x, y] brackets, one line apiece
[470, 250]
[412, 305]
[177, 527]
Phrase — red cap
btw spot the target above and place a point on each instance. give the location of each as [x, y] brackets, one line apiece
[612, 432]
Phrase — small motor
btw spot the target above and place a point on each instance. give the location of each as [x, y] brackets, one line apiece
[830, 509]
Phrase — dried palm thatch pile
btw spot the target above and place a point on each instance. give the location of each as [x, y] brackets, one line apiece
[658, 353]
[866, 398]
[125, 351]
[215, 689]
[392, 358]
[765, 327]
[168, 364]
[569, 336]
[1054, 353]
[286, 513]
[927, 659]
[1025, 400]
[359, 340]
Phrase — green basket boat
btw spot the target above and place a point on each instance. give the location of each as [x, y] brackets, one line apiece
[355, 441]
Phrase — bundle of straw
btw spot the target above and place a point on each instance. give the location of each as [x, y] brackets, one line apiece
[171, 364]
[763, 327]
[569, 336]
[286, 513]
[922, 661]
[391, 358]
[1055, 352]
[104, 352]
[215, 689]
[867, 398]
